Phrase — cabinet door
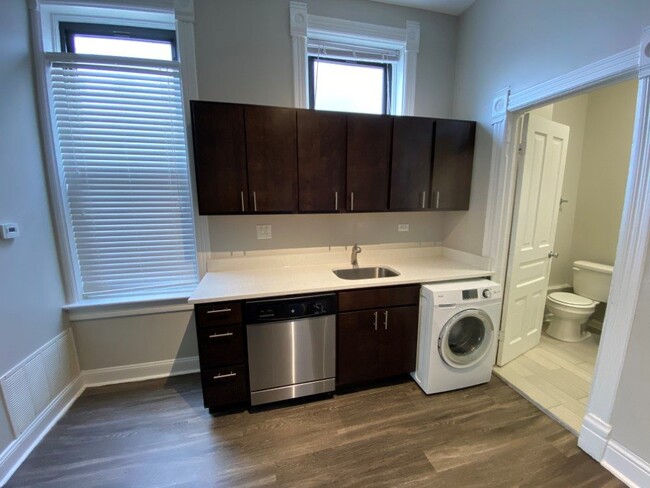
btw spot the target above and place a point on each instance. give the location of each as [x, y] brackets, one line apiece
[453, 155]
[321, 161]
[398, 329]
[219, 157]
[369, 141]
[272, 159]
[357, 347]
[410, 182]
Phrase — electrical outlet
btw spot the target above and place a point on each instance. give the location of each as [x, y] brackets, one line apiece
[264, 231]
[402, 227]
[9, 231]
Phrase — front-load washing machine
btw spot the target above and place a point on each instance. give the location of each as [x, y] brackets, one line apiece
[457, 334]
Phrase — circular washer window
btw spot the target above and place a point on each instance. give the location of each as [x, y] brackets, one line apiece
[466, 338]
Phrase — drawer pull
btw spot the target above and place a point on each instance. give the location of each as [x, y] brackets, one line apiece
[220, 310]
[222, 376]
[216, 336]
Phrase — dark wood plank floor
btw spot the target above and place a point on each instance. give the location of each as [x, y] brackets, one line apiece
[157, 434]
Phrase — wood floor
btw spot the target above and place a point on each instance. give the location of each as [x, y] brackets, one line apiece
[157, 434]
[556, 376]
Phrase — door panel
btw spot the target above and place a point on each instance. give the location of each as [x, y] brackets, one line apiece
[321, 161]
[539, 185]
[357, 348]
[272, 159]
[398, 330]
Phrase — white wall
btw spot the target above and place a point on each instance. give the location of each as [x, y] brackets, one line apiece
[521, 43]
[244, 55]
[605, 162]
[31, 293]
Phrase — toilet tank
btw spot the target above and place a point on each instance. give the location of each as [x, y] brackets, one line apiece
[592, 280]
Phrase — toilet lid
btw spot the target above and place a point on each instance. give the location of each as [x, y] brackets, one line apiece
[571, 299]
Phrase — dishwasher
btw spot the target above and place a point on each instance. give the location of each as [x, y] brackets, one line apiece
[291, 347]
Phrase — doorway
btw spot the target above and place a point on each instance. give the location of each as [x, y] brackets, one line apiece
[554, 374]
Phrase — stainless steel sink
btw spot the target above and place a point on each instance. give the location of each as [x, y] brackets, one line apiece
[365, 273]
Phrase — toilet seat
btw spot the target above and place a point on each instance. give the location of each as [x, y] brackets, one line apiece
[571, 299]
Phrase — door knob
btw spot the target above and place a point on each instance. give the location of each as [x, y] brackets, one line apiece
[552, 254]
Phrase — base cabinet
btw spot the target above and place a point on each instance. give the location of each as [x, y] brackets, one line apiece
[222, 354]
[379, 342]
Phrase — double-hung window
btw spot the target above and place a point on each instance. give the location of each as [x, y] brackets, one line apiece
[116, 110]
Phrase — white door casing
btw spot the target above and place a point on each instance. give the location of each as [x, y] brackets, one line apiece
[542, 158]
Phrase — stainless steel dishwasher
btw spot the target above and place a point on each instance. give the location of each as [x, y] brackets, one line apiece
[291, 347]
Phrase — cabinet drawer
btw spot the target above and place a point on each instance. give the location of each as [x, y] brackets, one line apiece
[391, 296]
[221, 345]
[225, 386]
[220, 313]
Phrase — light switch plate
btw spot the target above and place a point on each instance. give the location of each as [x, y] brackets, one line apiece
[264, 231]
[9, 231]
[402, 227]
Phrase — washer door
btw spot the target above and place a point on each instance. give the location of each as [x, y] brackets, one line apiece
[466, 338]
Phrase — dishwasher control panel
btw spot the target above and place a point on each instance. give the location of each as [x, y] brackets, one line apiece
[259, 311]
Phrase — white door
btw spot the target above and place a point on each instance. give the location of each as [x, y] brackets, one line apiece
[542, 157]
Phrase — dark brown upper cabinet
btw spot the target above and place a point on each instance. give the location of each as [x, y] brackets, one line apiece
[220, 157]
[368, 166]
[272, 159]
[321, 161]
[453, 156]
[410, 182]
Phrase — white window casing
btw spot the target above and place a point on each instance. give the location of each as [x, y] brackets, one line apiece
[355, 40]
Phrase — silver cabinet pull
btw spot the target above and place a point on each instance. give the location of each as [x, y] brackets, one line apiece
[424, 198]
[254, 202]
[242, 201]
[222, 376]
[385, 319]
[216, 336]
[437, 199]
[220, 310]
[336, 200]
[375, 324]
[352, 201]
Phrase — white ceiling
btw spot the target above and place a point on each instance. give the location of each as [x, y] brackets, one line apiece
[452, 7]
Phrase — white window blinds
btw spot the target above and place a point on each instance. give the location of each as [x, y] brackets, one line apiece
[339, 50]
[123, 167]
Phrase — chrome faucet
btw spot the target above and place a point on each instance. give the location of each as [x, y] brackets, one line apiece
[355, 250]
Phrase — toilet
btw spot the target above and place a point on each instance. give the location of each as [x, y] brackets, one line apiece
[571, 310]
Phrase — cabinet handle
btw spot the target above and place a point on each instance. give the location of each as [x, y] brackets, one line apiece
[220, 310]
[222, 376]
[254, 202]
[437, 199]
[375, 324]
[242, 201]
[216, 336]
[424, 198]
[352, 201]
[336, 200]
[385, 319]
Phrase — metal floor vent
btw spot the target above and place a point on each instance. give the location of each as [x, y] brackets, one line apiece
[32, 385]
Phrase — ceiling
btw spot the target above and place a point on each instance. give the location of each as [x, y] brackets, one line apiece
[452, 7]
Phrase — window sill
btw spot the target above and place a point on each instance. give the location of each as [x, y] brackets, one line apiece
[126, 307]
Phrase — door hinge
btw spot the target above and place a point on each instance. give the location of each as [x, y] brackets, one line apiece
[521, 148]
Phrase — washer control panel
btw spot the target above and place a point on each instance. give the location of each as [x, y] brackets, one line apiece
[475, 292]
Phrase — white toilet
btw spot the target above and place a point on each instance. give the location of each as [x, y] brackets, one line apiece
[570, 310]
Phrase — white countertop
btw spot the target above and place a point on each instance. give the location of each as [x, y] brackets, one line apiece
[275, 274]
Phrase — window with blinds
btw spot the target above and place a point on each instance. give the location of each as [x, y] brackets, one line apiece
[123, 168]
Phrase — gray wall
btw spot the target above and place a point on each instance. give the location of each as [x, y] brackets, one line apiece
[31, 292]
[521, 43]
[243, 50]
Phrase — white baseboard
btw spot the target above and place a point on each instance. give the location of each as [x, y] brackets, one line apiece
[140, 372]
[594, 435]
[13, 456]
[626, 466]
[16, 452]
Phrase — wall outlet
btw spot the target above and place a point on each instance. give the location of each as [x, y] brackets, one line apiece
[264, 231]
[402, 227]
[9, 231]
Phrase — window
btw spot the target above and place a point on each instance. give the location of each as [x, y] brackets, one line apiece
[349, 86]
[116, 109]
[352, 66]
